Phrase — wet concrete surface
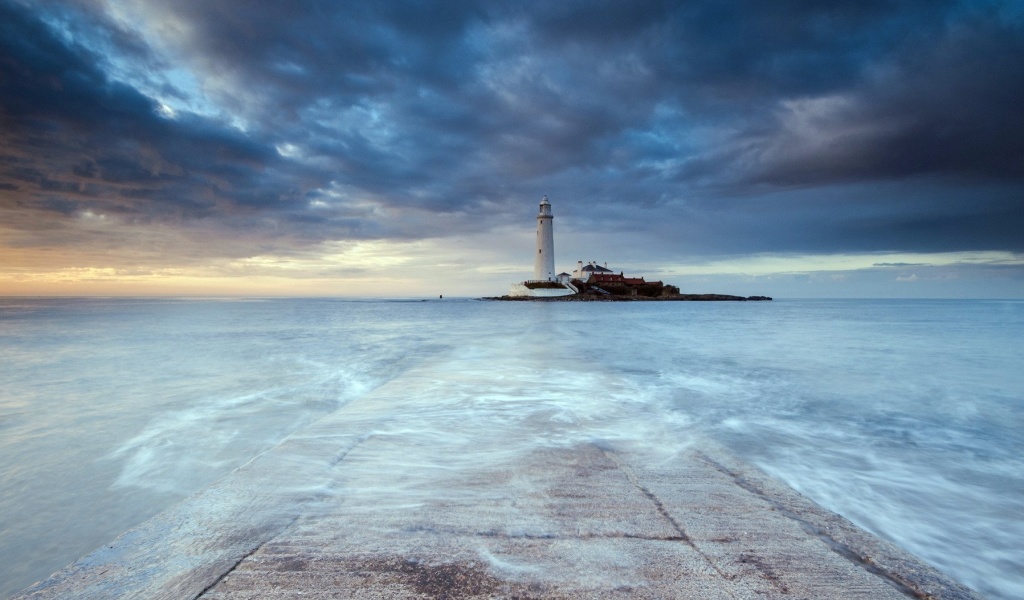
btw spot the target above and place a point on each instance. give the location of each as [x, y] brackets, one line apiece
[591, 524]
[364, 505]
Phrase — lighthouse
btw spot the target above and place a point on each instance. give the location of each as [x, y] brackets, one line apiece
[545, 283]
[544, 260]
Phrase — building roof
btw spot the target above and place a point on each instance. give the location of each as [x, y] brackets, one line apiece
[618, 278]
[596, 269]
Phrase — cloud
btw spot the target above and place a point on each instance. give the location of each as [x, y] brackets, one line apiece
[946, 107]
[72, 133]
[706, 128]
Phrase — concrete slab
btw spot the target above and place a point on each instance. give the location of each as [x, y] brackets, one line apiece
[365, 505]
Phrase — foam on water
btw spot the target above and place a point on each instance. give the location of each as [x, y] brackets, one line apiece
[112, 410]
[905, 417]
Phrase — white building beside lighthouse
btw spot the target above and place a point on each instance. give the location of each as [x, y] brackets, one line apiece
[546, 281]
[544, 260]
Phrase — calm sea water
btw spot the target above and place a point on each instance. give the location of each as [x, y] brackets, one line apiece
[907, 417]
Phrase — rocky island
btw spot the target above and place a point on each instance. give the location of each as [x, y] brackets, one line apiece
[619, 298]
[616, 288]
[592, 282]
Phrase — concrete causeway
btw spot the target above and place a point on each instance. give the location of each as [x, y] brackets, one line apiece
[356, 506]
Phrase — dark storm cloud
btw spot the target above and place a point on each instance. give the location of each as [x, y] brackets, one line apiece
[70, 130]
[951, 107]
[718, 126]
[919, 216]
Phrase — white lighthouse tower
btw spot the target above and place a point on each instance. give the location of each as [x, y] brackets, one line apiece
[544, 260]
[545, 283]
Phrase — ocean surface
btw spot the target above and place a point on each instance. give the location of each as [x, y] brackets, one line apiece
[907, 417]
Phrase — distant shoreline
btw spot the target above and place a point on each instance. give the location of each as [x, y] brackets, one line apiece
[615, 298]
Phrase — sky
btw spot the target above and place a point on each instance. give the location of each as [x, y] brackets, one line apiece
[855, 148]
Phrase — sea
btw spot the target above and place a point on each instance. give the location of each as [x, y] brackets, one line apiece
[904, 416]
